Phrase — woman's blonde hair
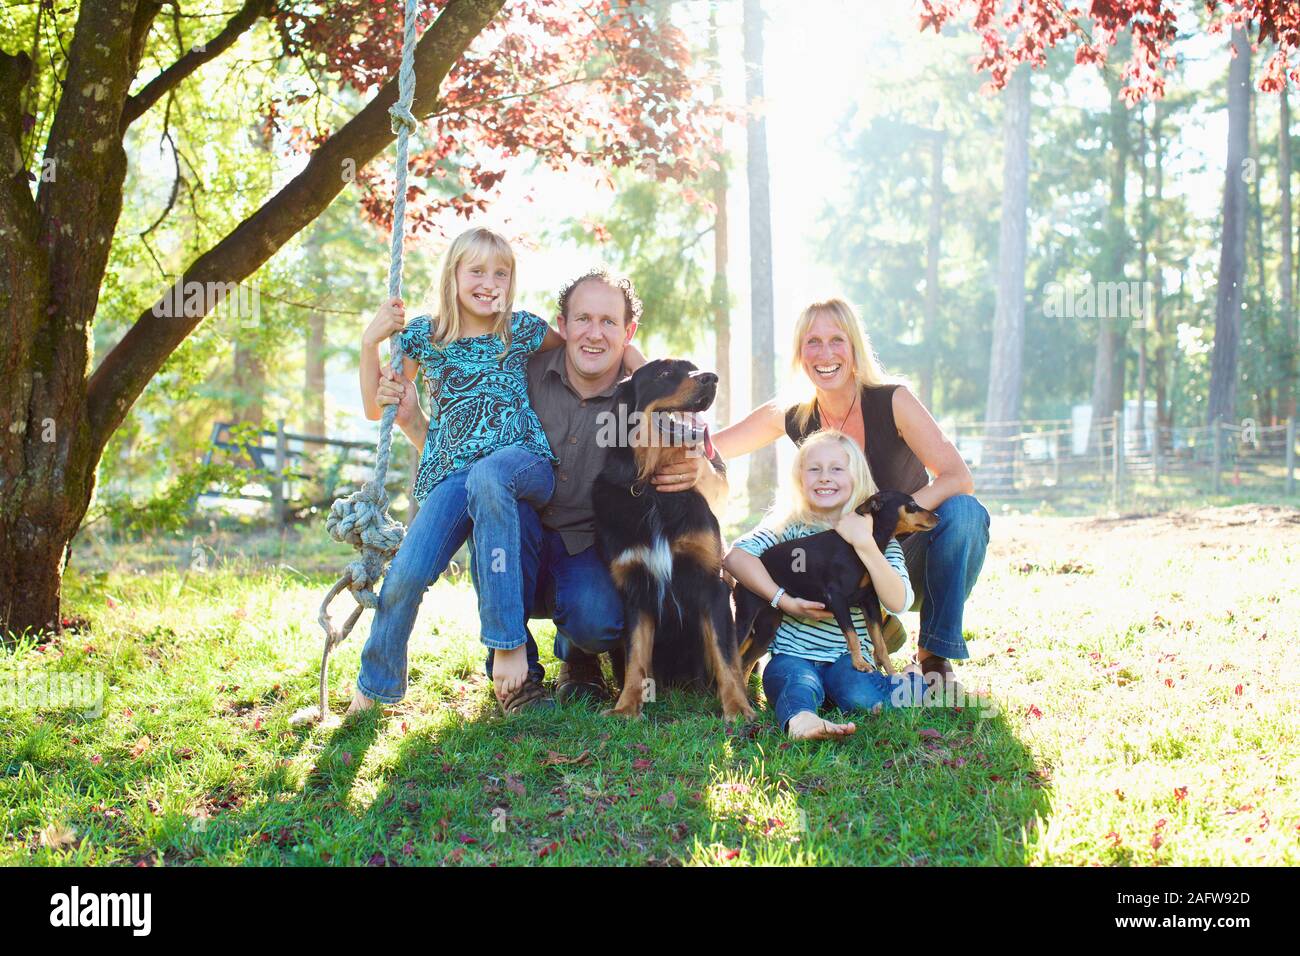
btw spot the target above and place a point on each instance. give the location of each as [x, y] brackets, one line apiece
[801, 510]
[475, 245]
[866, 364]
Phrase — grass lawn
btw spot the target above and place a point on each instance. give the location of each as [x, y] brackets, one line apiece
[1145, 672]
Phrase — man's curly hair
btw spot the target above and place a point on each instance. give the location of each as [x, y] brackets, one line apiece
[623, 284]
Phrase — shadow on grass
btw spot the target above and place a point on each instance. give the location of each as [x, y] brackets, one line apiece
[460, 785]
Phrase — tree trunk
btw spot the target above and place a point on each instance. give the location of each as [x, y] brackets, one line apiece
[1287, 271]
[1108, 364]
[54, 255]
[721, 292]
[250, 381]
[1163, 418]
[1232, 256]
[1144, 250]
[1259, 302]
[56, 418]
[1006, 361]
[762, 463]
[930, 327]
[313, 392]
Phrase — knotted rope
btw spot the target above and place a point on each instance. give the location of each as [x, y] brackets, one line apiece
[361, 519]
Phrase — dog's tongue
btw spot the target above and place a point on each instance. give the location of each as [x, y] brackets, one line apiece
[708, 443]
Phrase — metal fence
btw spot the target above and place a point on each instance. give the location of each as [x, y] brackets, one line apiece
[1057, 463]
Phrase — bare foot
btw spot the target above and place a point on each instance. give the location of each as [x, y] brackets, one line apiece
[360, 703]
[806, 725]
[509, 671]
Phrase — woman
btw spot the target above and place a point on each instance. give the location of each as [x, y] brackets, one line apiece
[901, 442]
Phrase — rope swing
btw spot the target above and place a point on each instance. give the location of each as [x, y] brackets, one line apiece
[361, 519]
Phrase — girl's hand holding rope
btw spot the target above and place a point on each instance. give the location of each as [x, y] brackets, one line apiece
[389, 319]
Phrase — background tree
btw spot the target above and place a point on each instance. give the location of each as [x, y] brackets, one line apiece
[1006, 361]
[762, 463]
[1222, 405]
[1112, 267]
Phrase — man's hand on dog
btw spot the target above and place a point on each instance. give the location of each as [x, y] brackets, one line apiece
[681, 469]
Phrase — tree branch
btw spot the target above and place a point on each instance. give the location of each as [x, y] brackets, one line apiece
[17, 209]
[81, 199]
[127, 369]
[139, 104]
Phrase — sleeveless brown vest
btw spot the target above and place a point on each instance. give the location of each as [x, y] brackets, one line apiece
[894, 466]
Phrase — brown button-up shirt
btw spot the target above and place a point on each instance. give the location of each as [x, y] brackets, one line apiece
[571, 423]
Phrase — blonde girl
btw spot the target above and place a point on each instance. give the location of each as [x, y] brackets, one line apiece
[810, 661]
[484, 454]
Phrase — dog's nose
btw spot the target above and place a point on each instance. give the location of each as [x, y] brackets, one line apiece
[705, 378]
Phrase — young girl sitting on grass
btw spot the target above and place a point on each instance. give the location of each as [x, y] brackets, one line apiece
[485, 452]
[810, 660]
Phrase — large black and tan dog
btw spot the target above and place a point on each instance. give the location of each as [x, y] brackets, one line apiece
[665, 549]
[824, 567]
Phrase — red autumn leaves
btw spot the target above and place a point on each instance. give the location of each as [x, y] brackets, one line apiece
[604, 86]
[1025, 31]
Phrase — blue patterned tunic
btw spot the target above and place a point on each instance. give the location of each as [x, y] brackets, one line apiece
[479, 402]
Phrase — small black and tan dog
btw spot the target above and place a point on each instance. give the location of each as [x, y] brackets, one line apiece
[824, 567]
[664, 550]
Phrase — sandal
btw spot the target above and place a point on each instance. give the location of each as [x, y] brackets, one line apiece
[580, 679]
[530, 695]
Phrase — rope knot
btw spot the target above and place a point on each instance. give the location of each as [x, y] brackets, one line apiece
[403, 118]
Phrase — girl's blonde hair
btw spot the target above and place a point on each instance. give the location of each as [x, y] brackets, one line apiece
[801, 510]
[475, 245]
[867, 369]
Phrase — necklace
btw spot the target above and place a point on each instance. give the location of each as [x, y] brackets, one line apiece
[850, 411]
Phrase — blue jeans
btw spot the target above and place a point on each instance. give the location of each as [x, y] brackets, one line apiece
[943, 565]
[793, 684]
[486, 496]
[574, 590]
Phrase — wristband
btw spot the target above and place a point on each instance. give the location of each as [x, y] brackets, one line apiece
[776, 598]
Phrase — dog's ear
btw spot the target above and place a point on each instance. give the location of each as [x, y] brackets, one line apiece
[625, 393]
[870, 506]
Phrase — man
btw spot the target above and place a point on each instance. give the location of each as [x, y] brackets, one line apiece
[572, 390]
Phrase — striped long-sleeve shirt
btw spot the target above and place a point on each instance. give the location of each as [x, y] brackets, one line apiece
[809, 639]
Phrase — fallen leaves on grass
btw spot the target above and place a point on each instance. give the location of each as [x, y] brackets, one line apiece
[556, 759]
